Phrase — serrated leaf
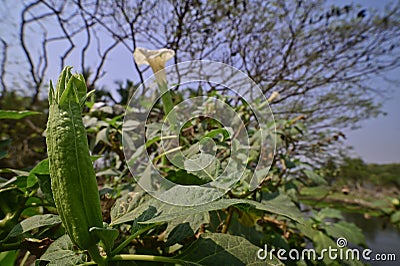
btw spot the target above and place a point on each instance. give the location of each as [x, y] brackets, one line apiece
[182, 177]
[124, 206]
[254, 234]
[184, 227]
[204, 165]
[11, 114]
[350, 231]
[223, 249]
[137, 227]
[280, 205]
[34, 222]
[60, 253]
[123, 212]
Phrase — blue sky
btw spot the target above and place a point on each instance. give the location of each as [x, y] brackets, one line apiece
[376, 141]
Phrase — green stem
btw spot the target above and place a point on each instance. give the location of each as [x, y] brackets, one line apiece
[126, 257]
[168, 105]
[129, 240]
[10, 246]
[145, 258]
[227, 222]
[96, 257]
[25, 258]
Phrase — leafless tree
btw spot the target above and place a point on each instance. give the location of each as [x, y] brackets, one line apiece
[319, 58]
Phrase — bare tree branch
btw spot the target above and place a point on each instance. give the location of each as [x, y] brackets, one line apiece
[3, 67]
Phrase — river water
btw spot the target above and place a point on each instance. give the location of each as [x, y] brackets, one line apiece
[381, 237]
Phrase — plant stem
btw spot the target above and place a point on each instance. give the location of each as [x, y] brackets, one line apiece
[129, 240]
[96, 257]
[228, 219]
[127, 257]
[168, 105]
[145, 258]
[11, 246]
[25, 258]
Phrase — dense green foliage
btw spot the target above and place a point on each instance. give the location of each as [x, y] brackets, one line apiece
[319, 58]
[150, 230]
[377, 174]
[354, 170]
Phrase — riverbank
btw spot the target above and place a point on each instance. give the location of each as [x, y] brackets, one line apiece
[367, 200]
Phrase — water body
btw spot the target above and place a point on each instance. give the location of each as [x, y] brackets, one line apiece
[381, 236]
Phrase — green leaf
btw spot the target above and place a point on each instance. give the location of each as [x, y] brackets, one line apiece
[165, 212]
[122, 210]
[60, 252]
[45, 186]
[254, 234]
[223, 249]
[209, 166]
[10, 114]
[106, 235]
[328, 213]
[184, 227]
[395, 218]
[102, 135]
[317, 179]
[8, 257]
[34, 222]
[219, 131]
[137, 227]
[41, 168]
[321, 242]
[80, 86]
[350, 231]
[182, 177]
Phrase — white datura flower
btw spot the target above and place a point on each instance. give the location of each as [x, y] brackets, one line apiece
[273, 96]
[156, 59]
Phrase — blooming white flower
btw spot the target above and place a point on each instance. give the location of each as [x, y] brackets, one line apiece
[155, 58]
[273, 96]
